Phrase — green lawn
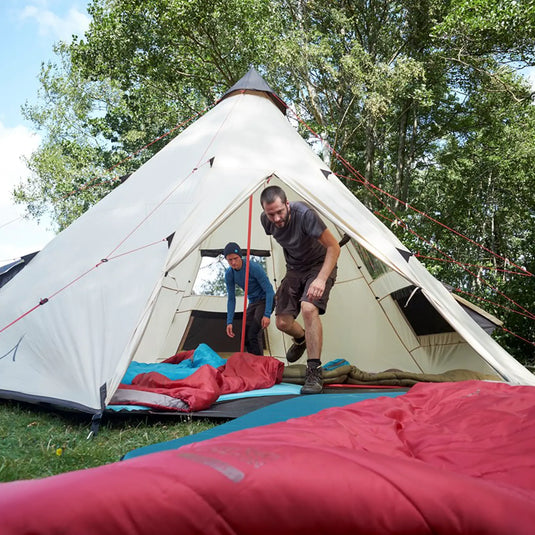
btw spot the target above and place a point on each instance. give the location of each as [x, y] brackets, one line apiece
[35, 442]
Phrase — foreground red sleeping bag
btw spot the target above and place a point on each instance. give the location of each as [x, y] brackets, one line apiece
[453, 458]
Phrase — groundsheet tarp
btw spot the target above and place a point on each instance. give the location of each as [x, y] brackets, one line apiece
[277, 412]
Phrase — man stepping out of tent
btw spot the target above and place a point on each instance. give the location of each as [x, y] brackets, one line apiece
[311, 252]
[259, 294]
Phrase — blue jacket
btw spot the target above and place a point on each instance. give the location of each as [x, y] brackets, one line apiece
[259, 288]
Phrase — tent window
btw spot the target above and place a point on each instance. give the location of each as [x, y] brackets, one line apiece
[211, 277]
[420, 313]
[375, 267]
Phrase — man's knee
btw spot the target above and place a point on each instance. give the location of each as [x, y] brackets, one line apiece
[284, 322]
[309, 311]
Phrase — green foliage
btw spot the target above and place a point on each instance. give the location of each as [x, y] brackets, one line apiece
[481, 185]
[35, 443]
[69, 168]
[503, 29]
[211, 278]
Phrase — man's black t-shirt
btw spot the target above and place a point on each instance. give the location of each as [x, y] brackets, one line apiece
[299, 237]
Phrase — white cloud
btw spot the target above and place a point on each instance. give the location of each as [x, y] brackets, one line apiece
[18, 236]
[59, 27]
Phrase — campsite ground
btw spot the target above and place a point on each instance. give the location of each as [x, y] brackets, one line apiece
[36, 443]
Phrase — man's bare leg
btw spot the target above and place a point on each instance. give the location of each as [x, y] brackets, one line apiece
[287, 324]
[314, 339]
[313, 330]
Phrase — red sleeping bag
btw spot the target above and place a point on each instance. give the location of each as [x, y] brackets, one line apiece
[453, 458]
[241, 373]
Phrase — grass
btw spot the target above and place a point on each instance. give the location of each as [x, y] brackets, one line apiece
[36, 442]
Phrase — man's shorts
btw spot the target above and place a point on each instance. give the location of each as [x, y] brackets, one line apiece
[293, 290]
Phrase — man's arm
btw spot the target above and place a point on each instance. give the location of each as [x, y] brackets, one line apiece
[317, 287]
[231, 302]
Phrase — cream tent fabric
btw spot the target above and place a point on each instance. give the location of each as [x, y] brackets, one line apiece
[114, 288]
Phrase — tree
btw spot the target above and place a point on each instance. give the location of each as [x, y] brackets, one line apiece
[489, 197]
[68, 168]
[354, 71]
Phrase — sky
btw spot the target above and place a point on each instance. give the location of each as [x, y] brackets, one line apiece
[28, 31]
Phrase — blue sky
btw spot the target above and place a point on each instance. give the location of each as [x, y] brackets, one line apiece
[28, 30]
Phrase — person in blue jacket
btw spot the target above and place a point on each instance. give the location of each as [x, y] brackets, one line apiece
[260, 296]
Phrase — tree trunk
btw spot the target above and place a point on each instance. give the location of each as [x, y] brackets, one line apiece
[400, 161]
[370, 149]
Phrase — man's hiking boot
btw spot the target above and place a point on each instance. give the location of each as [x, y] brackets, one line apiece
[313, 379]
[296, 351]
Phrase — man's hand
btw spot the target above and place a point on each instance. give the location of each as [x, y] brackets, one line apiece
[316, 289]
[230, 331]
[265, 322]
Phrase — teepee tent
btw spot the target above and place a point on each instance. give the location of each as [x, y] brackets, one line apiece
[117, 284]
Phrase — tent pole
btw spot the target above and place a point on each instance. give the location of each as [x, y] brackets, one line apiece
[242, 344]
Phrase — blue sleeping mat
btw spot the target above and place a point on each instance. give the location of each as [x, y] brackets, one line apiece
[276, 412]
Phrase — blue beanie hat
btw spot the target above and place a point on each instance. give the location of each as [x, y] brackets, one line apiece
[231, 248]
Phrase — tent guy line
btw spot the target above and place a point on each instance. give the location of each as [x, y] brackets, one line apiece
[479, 266]
[462, 265]
[159, 205]
[474, 296]
[45, 300]
[201, 162]
[93, 181]
[470, 272]
[367, 184]
[109, 256]
[465, 267]
[359, 178]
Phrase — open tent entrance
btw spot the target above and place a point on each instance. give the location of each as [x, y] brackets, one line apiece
[404, 332]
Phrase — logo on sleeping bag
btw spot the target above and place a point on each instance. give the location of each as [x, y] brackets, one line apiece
[229, 471]
[13, 350]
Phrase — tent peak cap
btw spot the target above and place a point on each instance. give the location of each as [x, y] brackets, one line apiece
[253, 81]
